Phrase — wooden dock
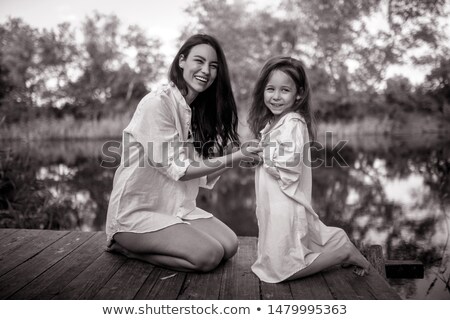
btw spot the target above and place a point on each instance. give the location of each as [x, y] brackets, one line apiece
[44, 264]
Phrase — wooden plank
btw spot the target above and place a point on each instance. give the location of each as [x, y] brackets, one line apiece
[379, 287]
[238, 281]
[14, 240]
[126, 282]
[53, 280]
[376, 259]
[4, 233]
[313, 287]
[11, 259]
[201, 286]
[338, 285]
[276, 291]
[89, 282]
[32, 268]
[162, 284]
[358, 284]
[405, 269]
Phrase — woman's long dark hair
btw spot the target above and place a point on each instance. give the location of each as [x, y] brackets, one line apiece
[214, 113]
[259, 114]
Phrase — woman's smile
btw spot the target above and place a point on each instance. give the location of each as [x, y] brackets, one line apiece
[199, 69]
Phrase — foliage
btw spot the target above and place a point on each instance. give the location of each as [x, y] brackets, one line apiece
[24, 202]
[348, 46]
[53, 69]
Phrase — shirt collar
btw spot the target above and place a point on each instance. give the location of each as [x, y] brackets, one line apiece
[178, 96]
[286, 117]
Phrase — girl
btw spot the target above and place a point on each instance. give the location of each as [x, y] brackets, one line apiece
[166, 157]
[293, 242]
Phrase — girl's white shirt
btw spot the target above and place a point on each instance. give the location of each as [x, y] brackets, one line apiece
[291, 236]
[147, 194]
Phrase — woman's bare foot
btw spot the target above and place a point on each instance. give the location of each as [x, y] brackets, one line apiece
[117, 248]
[354, 257]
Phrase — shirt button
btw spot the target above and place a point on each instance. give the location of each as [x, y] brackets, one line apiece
[172, 84]
[188, 123]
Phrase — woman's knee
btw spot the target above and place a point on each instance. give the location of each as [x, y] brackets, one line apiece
[208, 257]
[230, 246]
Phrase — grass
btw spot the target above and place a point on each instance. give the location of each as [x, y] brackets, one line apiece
[70, 128]
[409, 124]
[24, 200]
[66, 128]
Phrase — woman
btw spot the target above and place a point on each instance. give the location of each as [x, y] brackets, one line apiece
[167, 149]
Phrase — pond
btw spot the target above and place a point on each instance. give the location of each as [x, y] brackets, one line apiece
[392, 191]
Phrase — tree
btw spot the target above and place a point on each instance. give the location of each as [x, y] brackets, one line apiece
[18, 63]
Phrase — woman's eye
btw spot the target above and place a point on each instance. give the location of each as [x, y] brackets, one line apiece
[213, 67]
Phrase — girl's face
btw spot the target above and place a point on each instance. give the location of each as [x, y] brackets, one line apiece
[199, 69]
[280, 93]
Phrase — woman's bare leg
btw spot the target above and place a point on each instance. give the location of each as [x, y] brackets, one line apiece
[347, 254]
[179, 247]
[219, 231]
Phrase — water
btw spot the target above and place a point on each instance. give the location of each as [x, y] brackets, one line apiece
[394, 192]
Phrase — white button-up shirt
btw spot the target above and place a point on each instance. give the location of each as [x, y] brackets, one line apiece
[147, 194]
[291, 236]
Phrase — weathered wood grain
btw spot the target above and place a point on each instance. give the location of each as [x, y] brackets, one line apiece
[42, 264]
[126, 282]
[238, 281]
[379, 287]
[4, 233]
[93, 278]
[276, 291]
[376, 258]
[53, 280]
[311, 288]
[358, 284]
[26, 249]
[162, 284]
[32, 268]
[338, 285]
[202, 286]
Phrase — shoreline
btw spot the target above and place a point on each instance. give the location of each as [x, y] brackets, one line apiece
[111, 128]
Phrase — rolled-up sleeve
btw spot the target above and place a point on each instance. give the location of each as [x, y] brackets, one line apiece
[282, 157]
[204, 183]
[154, 128]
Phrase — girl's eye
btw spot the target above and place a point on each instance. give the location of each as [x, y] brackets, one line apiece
[286, 90]
[213, 66]
[269, 89]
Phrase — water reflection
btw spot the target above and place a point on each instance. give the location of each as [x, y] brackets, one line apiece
[394, 192]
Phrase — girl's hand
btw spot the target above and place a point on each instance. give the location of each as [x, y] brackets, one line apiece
[252, 152]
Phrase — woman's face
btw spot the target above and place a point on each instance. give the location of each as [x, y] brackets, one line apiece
[199, 69]
[280, 93]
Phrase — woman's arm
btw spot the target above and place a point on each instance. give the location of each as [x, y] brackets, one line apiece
[216, 166]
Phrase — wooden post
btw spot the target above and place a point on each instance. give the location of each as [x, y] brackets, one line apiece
[376, 259]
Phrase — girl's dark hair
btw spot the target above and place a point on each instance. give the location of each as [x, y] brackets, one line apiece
[214, 113]
[259, 114]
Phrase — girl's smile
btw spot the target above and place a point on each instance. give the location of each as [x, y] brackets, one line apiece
[280, 93]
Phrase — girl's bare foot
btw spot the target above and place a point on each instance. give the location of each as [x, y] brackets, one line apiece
[354, 257]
